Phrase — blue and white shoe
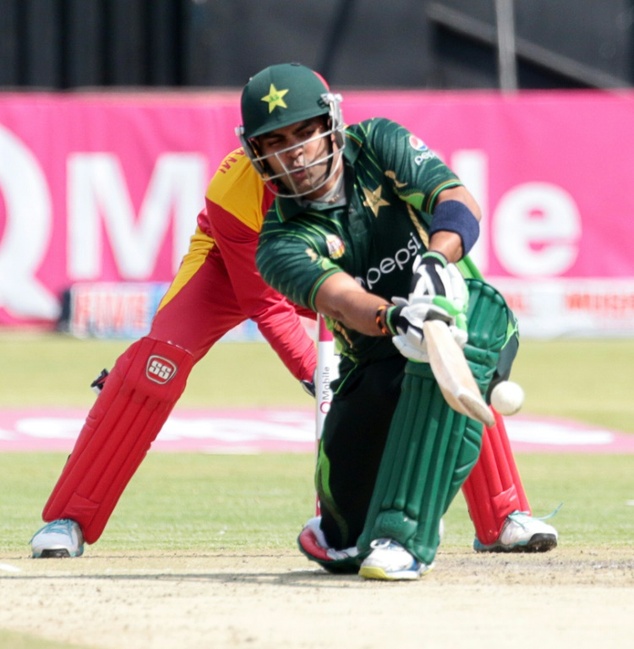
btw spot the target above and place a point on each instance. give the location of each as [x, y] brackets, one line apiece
[58, 539]
[390, 561]
[522, 533]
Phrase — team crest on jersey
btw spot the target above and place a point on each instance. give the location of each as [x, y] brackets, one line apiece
[160, 369]
[335, 246]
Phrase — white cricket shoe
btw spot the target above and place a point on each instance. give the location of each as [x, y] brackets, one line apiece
[390, 561]
[522, 533]
[58, 539]
[312, 542]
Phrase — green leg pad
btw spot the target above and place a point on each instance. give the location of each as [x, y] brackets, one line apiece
[491, 325]
[430, 451]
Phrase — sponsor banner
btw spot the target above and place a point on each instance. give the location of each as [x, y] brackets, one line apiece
[107, 187]
[278, 430]
[124, 310]
[111, 309]
[545, 309]
[572, 307]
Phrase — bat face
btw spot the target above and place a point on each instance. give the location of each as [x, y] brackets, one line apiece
[452, 372]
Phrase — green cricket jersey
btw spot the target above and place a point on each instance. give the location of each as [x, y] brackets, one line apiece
[392, 180]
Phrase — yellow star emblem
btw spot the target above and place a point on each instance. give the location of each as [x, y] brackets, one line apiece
[392, 176]
[373, 199]
[275, 98]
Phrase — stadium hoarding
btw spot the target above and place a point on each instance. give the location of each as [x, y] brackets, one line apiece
[105, 188]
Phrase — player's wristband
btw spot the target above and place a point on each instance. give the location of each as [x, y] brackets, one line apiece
[381, 319]
[385, 315]
[455, 216]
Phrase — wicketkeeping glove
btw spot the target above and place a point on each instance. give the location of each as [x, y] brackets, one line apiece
[309, 385]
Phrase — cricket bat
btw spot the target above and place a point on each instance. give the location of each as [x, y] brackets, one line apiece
[452, 372]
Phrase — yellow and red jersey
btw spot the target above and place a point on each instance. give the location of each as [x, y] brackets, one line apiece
[218, 286]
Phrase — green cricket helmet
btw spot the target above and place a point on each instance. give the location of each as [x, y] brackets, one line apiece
[279, 96]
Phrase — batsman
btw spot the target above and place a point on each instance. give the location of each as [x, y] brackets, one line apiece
[372, 230]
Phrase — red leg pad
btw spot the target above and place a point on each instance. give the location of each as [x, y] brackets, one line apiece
[494, 488]
[138, 396]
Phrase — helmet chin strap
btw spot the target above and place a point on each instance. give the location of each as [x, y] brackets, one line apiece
[331, 197]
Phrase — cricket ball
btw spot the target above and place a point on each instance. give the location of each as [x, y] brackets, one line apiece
[507, 397]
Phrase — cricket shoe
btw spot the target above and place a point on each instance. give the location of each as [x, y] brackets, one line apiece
[390, 561]
[313, 544]
[522, 533]
[58, 539]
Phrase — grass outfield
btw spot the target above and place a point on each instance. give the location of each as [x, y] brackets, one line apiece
[231, 502]
[56, 370]
[584, 380]
[197, 504]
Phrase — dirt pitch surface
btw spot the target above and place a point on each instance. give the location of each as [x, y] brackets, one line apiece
[562, 599]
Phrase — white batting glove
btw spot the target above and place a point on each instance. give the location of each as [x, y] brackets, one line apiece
[414, 347]
[429, 276]
[433, 276]
[405, 321]
[446, 287]
[459, 334]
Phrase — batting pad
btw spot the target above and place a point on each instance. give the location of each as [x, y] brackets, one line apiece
[429, 452]
[488, 318]
[138, 396]
[431, 449]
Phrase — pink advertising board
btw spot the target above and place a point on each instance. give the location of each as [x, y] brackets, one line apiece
[106, 188]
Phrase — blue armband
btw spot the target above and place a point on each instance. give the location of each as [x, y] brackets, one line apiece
[454, 216]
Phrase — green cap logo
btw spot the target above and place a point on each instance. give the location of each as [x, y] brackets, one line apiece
[275, 98]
